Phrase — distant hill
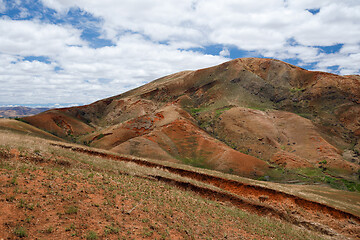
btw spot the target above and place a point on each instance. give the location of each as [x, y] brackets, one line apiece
[11, 112]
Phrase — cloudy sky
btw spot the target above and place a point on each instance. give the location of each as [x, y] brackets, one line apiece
[78, 51]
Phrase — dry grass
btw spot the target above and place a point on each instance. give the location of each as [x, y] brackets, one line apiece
[344, 200]
[92, 197]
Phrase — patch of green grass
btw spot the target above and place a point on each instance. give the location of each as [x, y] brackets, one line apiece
[28, 219]
[91, 235]
[218, 112]
[13, 181]
[295, 90]
[49, 230]
[342, 184]
[100, 136]
[20, 232]
[71, 227]
[148, 232]
[351, 186]
[24, 204]
[333, 182]
[71, 210]
[21, 120]
[111, 230]
[312, 175]
[196, 162]
[195, 111]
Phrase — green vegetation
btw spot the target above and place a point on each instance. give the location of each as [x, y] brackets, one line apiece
[111, 230]
[21, 120]
[20, 232]
[91, 235]
[71, 210]
[100, 136]
[71, 227]
[196, 162]
[13, 181]
[49, 229]
[295, 90]
[351, 186]
[218, 112]
[311, 176]
[195, 111]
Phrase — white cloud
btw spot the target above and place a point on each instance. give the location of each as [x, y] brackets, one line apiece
[133, 61]
[35, 38]
[249, 25]
[225, 52]
[138, 28]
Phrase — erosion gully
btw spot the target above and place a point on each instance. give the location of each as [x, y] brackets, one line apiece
[312, 215]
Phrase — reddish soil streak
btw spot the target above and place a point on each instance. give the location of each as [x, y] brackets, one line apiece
[304, 212]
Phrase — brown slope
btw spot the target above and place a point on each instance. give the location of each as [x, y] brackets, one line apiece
[171, 134]
[59, 123]
[283, 138]
[23, 128]
[290, 207]
[330, 102]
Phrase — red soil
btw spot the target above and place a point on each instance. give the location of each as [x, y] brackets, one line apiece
[59, 124]
[302, 211]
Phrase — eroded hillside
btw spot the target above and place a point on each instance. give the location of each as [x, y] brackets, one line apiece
[252, 117]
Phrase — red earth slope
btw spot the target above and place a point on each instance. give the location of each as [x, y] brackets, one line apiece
[239, 117]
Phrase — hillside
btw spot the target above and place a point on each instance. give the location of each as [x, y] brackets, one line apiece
[260, 118]
[53, 190]
[12, 112]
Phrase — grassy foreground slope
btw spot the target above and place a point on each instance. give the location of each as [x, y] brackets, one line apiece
[53, 193]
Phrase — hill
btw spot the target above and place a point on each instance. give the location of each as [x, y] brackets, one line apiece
[53, 190]
[260, 118]
[141, 164]
[12, 112]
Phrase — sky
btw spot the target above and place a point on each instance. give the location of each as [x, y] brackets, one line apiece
[71, 52]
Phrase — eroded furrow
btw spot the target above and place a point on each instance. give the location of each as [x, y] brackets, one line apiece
[310, 214]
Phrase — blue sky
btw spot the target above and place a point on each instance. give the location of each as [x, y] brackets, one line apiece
[76, 52]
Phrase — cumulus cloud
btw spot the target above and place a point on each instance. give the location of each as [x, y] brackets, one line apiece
[81, 70]
[152, 39]
[224, 52]
[36, 38]
[248, 25]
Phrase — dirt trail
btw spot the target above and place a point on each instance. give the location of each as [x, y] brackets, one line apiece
[312, 215]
